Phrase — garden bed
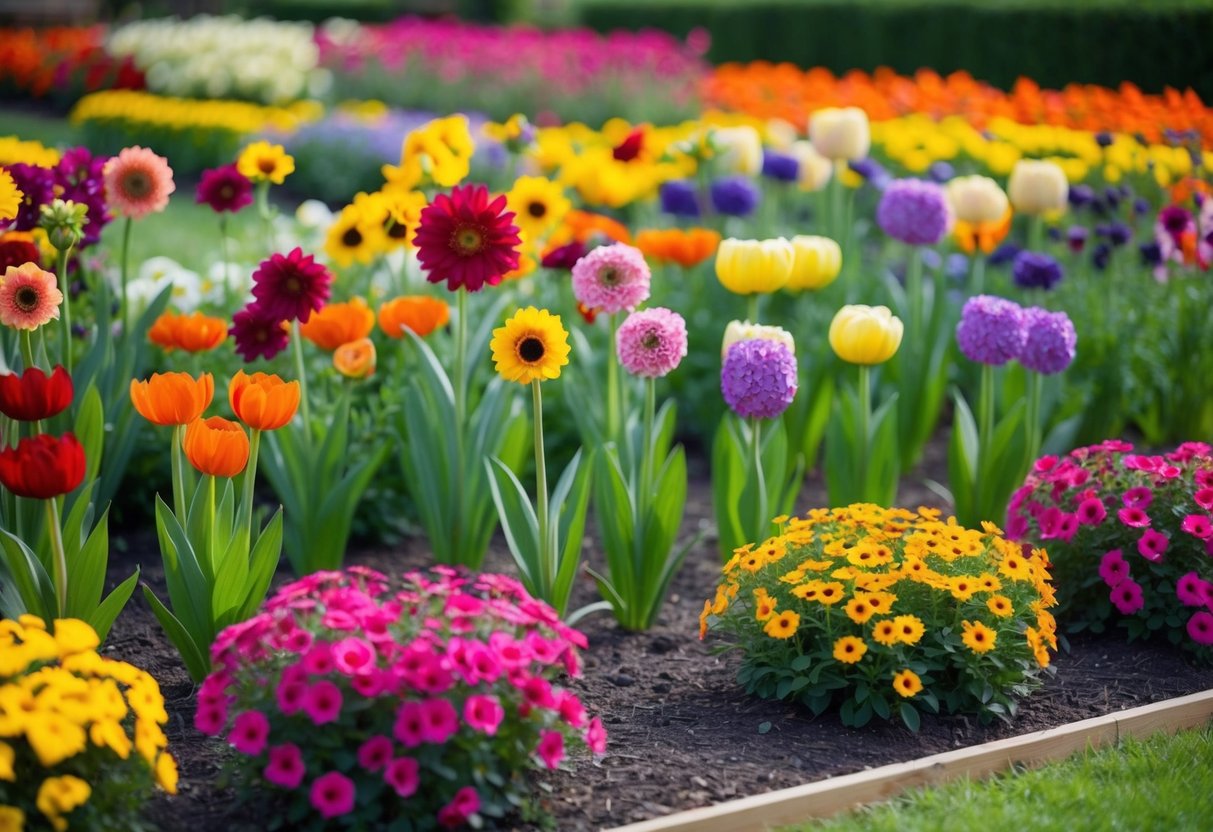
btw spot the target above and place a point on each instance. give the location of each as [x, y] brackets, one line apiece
[681, 731]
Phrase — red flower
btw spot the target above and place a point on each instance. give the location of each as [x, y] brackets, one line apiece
[32, 395]
[42, 467]
[467, 240]
[17, 253]
[629, 149]
[291, 286]
[224, 189]
[258, 334]
[564, 257]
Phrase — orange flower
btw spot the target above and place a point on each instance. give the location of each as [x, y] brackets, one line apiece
[675, 245]
[193, 333]
[984, 236]
[420, 313]
[355, 359]
[339, 323]
[172, 398]
[583, 225]
[216, 446]
[263, 401]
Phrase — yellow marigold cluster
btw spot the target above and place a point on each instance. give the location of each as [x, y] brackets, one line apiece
[190, 114]
[59, 700]
[14, 150]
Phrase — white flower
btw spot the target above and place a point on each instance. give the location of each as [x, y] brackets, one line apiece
[746, 331]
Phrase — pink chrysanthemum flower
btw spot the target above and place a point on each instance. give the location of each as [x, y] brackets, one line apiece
[137, 182]
[612, 278]
[652, 342]
[291, 286]
[29, 297]
[466, 239]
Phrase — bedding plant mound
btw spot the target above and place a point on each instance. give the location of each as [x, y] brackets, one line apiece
[81, 743]
[1132, 538]
[887, 612]
[355, 701]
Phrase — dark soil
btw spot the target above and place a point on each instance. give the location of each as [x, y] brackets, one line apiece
[682, 733]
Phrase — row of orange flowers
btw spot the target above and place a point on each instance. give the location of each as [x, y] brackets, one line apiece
[786, 91]
[41, 61]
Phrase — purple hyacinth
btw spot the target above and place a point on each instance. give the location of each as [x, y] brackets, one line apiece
[679, 197]
[79, 176]
[1076, 237]
[734, 196]
[991, 330]
[37, 186]
[758, 378]
[781, 167]
[915, 212]
[1036, 270]
[1050, 343]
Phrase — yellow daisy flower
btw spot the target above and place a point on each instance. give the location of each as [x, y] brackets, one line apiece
[539, 204]
[859, 610]
[978, 637]
[532, 346]
[1000, 605]
[849, 649]
[886, 633]
[265, 162]
[909, 628]
[353, 236]
[782, 626]
[907, 683]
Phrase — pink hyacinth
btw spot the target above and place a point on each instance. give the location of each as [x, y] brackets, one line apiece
[483, 713]
[463, 805]
[333, 794]
[404, 776]
[1127, 596]
[612, 278]
[652, 342]
[1113, 568]
[137, 182]
[285, 768]
[375, 753]
[249, 733]
[1152, 545]
[322, 702]
[551, 748]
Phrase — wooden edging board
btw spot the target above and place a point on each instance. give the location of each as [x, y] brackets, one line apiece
[828, 797]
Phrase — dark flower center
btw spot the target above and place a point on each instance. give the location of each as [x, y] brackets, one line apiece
[397, 230]
[537, 209]
[226, 192]
[467, 240]
[531, 349]
[651, 340]
[26, 298]
[266, 165]
[262, 336]
[293, 285]
[352, 238]
[137, 184]
[609, 276]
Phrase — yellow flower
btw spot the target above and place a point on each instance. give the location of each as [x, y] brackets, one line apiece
[909, 628]
[782, 626]
[440, 150]
[858, 610]
[907, 683]
[749, 267]
[7, 755]
[886, 632]
[59, 796]
[816, 262]
[74, 636]
[353, 236]
[1000, 605]
[532, 346]
[815, 169]
[962, 587]
[10, 196]
[849, 649]
[53, 737]
[976, 200]
[830, 593]
[978, 637]
[12, 819]
[865, 334]
[538, 204]
[265, 162]
[1015, 567]
[764, 607]
[106, 733]
[166, 772]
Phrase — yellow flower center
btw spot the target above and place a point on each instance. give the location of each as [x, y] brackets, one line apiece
[467, 240]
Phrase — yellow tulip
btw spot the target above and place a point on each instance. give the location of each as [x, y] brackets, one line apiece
[865, 334]
[815, 169]
[976, 199]
[840, 133]
[1037, 187]
[739, 331]
[750, 267]
[816, 263]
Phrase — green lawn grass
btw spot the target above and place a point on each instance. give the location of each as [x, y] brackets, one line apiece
[52, 131]
[1162, 783]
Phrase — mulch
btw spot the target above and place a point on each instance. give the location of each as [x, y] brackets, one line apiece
[681, 731]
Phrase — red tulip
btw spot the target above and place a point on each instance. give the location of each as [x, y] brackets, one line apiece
[33, 395]
[630, 148]
[42, 466]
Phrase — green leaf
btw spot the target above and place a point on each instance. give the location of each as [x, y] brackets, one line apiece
[189, 588]
[195, 662]
[615, 514]
[90, 431]
[263, 562]
[909, 715]
[519, 523]
[86, 571]
[33, 584]
[102, 617]
[568, 511]
[727, 481]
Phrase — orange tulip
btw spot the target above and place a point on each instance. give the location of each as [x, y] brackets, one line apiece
[674, 245]
[217, 446]
[583, 226]
[261, 401]
[172, 398]
[193, 333]
[983, 235]
[355, 359]
[420, 313]
[339, 323]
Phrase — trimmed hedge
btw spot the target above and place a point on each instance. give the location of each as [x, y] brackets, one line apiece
[1152, 44]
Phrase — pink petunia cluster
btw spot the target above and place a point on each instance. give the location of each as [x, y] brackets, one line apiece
[1149, 518]
[348, 681]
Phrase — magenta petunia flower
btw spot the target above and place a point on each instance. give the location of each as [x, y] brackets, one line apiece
[1191, 590]
[1113, 568]
[249, 733]
[410, 724]
[1198, 525]
[758, 378]
[483, 713]
[1152, 545]
[1127, 597]
[1091, 511]
[1204, 498]
[612, 278]
[333, 794]
[257, 334]
[1134, 518]
[463, 805]
[354, 656]
[466, 239]
[138, 182]
[991, 330]
[551, 748]
[652, 342]
[286, 767]
[1139, 497]
[322, 702]
[292, 286]
[404, 776]
[224, 189]
[210, 719]
[914, 211]
[375, 753]
[439, 721]
[1200, 627]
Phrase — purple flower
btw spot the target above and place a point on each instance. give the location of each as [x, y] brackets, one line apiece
[258, 334]
[914, 211]
[1005, 253]
[735, 196]
[1050, 343]
[1100, 255]
[652, 342]
[758, 378]
[37, 186]
[1036, 270]
[872, 171]
[1103, 138]
[1076, 238]
[79, 176]
[564, 257]
[1151, 253]
[991, 330]
[679, 197]
[1118, 233]
[1080, 195]
[941, 172]
[780, 166]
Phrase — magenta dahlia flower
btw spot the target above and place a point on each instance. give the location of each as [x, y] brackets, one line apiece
[466, 240]
[652, 342]
[224, 189]
[258, 334]
[291, 286]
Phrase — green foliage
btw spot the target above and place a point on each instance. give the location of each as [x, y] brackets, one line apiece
[985, 455]
[746, 496]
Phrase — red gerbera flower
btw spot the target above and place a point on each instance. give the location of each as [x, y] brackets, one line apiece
[17, 253]
[258, 334]
[42, 467]
[34, 395]
[225, 189]
[291, 286]
[467, 240]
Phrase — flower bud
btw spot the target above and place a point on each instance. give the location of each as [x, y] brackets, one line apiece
[63, 221]
[865, 334]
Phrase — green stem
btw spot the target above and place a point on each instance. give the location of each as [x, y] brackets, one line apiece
[263, 208]
[178, 475]
[752, 308]
[647, 462]
[250, 475]
[985, 436]
[914, 292]
[126, 257]
[1036, 232]
[227, 265]
[977, 279]
[301, 373]
[547, 552]
[209, 483]
[461, 346]
[761, 520]
[57, 550]
[1035, 387]
[65, 328]
[865, 421]
[27, 348]
[614, 417]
